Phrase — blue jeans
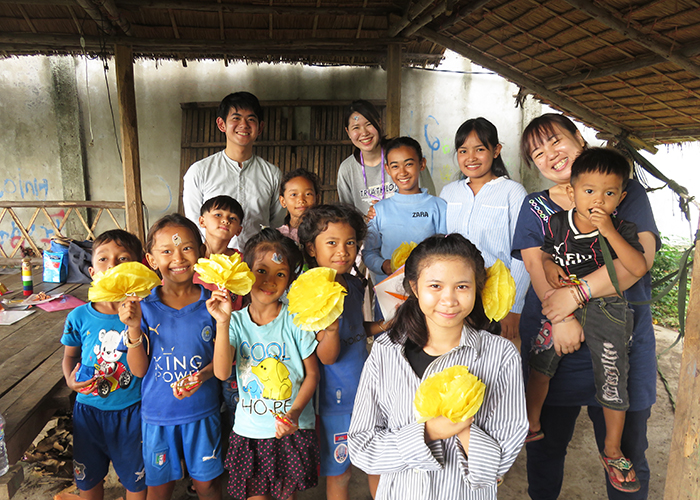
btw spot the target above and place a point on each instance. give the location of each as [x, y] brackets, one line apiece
[545, 458]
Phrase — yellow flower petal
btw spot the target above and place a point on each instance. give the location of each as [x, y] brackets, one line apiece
[398, 258]
[453, 393]
[128, 278]
[498, 296]
[227, 272]
[316, 299]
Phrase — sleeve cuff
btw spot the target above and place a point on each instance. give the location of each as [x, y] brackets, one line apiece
[416, 453]
[482, 471]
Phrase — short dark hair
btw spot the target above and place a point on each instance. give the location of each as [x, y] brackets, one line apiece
[239, 101]
[122, 238]
[488, 135]
[316, 219]
[271, 240]
[543, 127]
[173, 220]
[399, 142]
[223, 202]
[409, 322]
[605, 161]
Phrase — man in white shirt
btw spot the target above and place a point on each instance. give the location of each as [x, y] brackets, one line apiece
[236, 171]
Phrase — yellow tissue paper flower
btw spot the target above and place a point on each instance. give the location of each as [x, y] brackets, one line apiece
[398, 258]
[128, 278]
[498, 296]
[226, 271]
[316, 299]
[453, 393]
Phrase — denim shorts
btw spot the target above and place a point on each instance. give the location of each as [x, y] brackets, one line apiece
[607, 324]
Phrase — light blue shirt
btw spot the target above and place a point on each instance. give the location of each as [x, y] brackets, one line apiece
[488, 220]
[401, 218]
[270, 371]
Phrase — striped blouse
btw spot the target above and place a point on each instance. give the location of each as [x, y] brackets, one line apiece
[384, 437]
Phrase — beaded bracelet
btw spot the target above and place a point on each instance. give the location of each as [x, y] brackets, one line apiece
[130, 345]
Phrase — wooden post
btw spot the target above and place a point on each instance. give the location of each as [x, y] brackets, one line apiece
[393, 90]
[683, 473]
[130, 141]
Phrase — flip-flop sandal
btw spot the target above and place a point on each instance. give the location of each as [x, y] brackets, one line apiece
[534, 436]
[624, 466]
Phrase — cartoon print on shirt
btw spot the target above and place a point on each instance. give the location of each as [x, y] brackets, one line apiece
[110, 374]
[253, 388]
[274, 377]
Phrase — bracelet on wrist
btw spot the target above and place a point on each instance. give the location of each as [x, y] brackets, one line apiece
[135, 343]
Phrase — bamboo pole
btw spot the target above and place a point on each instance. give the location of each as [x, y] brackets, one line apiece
[130, 141]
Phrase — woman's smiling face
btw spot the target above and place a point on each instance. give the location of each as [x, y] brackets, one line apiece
[555, 154]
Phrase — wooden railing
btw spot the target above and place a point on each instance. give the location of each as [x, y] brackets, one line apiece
[22, 242]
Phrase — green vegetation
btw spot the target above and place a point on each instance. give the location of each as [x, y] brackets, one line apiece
[665, 311]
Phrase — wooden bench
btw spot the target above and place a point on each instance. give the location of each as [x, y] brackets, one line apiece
[32, 387]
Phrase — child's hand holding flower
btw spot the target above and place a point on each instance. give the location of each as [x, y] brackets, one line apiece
[219, 306]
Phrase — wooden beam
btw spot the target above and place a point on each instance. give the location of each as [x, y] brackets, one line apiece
[130, 141]
[524, 81]
[103, 25]
[682, 472]
[229, 7]
[689, 50]
[393, 90]
[606, 17]
[461, 13]
[428, 18]
[95, 43]
[408, 16]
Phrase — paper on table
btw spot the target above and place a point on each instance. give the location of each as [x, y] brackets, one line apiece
[65, 302]
[10, 317]
[391, 294]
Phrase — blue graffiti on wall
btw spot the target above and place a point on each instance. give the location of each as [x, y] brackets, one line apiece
[434, 143]
[37, 189]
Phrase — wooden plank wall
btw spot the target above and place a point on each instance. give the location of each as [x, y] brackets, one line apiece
[317, 143]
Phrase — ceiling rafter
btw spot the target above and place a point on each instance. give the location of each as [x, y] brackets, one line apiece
[606, 17]
[409, 15]
[518, 78]
[26, 19]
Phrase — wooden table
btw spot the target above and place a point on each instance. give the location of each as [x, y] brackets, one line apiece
[32, 387]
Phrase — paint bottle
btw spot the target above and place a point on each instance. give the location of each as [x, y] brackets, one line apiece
[27, 283]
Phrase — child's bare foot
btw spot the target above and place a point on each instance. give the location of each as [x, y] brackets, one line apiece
[620, 471]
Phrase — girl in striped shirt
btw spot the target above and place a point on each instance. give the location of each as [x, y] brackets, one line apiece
[439, 325]
[484, 206]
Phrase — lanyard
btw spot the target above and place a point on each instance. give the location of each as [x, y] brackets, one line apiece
[364, 176]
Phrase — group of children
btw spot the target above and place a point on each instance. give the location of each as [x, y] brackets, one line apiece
[149, 426]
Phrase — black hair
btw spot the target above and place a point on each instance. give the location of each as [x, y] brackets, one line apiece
[366, 109]
[223, 202]
[122, 238]
[299, 172]
[488, 135]
[541, 128]
[601, 160]
[399, 142]
[174, 220]
[239, 101]
[409, 322]
[316, 219]
[271, 240]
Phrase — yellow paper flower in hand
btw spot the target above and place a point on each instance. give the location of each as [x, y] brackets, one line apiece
[453, 393]
[398, 258]
[316, 299]
[498, 296]
[227, 272]
[128, 278]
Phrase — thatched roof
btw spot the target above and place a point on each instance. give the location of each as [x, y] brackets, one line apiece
[625, 67]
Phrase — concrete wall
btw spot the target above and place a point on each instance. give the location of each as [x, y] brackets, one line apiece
[32, 137]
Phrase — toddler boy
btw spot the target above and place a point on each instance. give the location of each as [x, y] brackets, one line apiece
[571, 251]
[107, 412]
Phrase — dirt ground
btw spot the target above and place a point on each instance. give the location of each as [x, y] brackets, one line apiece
[584, 476]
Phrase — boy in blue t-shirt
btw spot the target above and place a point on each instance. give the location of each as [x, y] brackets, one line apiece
[107, 412]
[409, 216]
